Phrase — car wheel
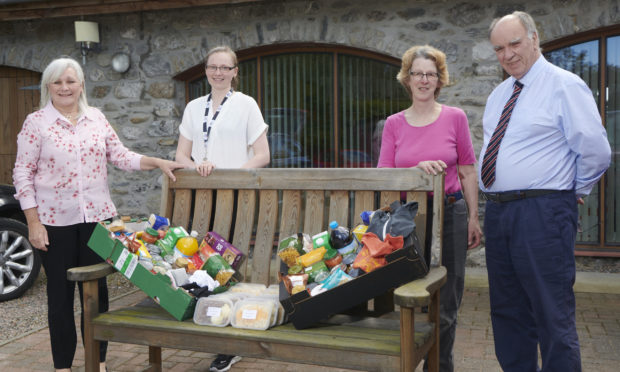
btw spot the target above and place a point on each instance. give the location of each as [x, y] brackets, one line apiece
[19, 263]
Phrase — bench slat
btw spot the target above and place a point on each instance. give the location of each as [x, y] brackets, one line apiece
[291, 213]
[339, 207]
[364, 201]
[306, 179]
[223, 213]
[267, 219]
[313, 216]
[420, 218]
[182, 208]
[202, 211]
[246, 207]
[388, 197]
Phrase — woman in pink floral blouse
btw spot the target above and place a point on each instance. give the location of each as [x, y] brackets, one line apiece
[62, 185]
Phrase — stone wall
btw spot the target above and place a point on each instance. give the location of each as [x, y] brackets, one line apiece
[145, 104]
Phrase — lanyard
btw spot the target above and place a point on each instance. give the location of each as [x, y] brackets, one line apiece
[206, 129]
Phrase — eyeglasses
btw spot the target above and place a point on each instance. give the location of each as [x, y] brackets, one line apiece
[213, 68]
[430, 76]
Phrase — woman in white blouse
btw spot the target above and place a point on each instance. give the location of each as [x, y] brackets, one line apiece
[224, 129]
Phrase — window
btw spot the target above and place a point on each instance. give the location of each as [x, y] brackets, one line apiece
[595, 57]
[324, 105]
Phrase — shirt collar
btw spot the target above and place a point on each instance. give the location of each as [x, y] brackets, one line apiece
[50, 112]
[533, 72]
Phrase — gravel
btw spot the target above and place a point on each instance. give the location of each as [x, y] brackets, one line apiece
[29, 312]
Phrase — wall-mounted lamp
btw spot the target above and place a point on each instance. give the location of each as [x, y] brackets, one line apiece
[86, 33]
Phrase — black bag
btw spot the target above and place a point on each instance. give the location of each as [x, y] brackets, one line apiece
[397, 220]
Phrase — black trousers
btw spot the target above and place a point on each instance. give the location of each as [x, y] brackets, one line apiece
[68, 249]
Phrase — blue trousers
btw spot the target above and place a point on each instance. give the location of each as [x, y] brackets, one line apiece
[531, 267]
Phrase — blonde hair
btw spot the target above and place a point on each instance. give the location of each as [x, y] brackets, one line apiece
[225, 49]
[53, 71]
[426, 52]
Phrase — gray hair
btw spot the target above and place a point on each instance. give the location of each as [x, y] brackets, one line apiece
[53, 71]
[526, 20]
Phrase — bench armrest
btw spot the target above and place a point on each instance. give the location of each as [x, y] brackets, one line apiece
[92, 272]
[418, 292]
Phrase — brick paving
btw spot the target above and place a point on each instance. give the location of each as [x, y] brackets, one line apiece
[598, 322]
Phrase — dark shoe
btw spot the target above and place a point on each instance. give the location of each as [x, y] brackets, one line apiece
[223, 362]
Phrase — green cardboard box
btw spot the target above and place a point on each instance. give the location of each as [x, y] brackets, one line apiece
[176, 301]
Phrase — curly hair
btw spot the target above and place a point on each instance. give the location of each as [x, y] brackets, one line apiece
[426, 52]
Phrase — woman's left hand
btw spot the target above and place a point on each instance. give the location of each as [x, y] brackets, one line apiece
[474, 233]
[432, 166]
[205, 168]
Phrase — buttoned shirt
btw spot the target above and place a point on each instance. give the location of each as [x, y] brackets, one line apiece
[61, 168]
[554, 140]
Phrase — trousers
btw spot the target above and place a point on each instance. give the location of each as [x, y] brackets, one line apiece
[453, 257]
[68, 249]
[531, 269]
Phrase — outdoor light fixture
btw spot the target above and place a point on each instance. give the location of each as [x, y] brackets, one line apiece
[86, 33]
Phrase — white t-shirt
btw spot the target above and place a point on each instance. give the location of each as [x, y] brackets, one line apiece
[236, 128]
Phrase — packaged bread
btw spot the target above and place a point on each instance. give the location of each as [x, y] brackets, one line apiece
[254, 314]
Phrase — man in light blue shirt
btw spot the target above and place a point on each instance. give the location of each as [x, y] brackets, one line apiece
[544, 148]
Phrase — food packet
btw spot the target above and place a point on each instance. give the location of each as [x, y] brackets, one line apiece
[288, 250]
[294, 283]
[317, 272]
[215, 265]
[336, 278]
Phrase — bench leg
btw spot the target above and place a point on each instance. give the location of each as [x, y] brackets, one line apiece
[433, 353]
[407, 340]
[91, 308]
[155, 359]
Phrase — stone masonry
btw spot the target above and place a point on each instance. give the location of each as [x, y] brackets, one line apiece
[145, 104]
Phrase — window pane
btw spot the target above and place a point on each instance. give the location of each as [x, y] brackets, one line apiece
[583, 60]
[297, 102]
[368, 93]
[247, 78]
[612, 119]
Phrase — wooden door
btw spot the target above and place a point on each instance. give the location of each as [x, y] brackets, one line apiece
[19, 96]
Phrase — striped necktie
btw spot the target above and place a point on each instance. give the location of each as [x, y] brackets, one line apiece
[490, 155]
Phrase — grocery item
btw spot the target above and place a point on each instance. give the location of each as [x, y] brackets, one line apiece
[214, 311]
[312, 257]
[231, 254]
[332, 258]
[339, 236]
[157, 222]
[295, 283]
[321, 240]
[254, 289]
[289, 249]
[167, 244]
[187, 246]
[214, 264]
[253, 314]
[359, 231]
[336, 278]
[317, 272]
[150, 235]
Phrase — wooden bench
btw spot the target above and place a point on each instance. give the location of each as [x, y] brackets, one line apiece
[272, 203]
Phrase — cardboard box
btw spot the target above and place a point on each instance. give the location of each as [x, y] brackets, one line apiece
[404, 265]
[179, 303]
[231, 254]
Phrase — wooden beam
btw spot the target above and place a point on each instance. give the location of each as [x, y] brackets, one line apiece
[65, 8]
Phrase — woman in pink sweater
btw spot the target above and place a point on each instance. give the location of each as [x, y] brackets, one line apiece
[435, 138]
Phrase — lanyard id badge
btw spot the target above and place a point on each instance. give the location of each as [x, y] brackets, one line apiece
[206, 129]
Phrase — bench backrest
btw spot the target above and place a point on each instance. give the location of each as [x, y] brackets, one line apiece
[253, 208]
